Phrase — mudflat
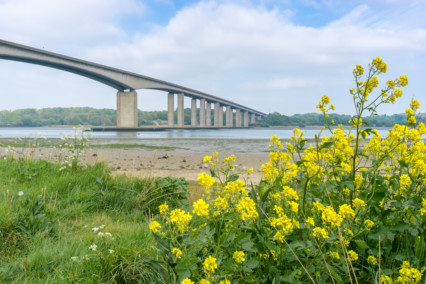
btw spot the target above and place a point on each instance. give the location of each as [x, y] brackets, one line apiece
[164, 157]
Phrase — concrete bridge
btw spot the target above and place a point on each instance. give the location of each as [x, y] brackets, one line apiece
[126, 83]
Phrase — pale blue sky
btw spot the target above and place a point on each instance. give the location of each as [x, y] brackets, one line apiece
[274, 56]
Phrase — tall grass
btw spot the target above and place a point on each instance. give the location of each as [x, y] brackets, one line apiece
[50, 216]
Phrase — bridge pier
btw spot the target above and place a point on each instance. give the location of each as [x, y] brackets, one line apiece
[180, 117]
[228, 115]
[220, 113]
[171, 109]
[202, 112]
[208, 114]
[127, 109]
[216, 114]
[253, 118]
[193, 112]
[238, 117]
[246, 119]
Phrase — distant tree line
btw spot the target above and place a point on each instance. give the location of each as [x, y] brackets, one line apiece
[107, 117]
[311, 119]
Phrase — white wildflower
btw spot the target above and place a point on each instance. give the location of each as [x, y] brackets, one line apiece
[20, 193]
[93, 247]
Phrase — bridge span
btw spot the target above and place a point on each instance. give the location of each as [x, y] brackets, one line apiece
[127, 83]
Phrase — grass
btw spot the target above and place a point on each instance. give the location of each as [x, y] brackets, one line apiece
[32, 143]
[48, 216]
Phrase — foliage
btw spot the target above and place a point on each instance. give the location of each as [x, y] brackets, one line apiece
[48, 218]
[345, 210]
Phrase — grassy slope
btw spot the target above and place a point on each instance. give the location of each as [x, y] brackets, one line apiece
[53, 221]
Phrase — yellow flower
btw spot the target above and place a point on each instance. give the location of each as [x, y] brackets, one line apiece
[164, 208]
[180, 218]
[310, 221]
[385, 279]
[206, 180]
[331, 217]
[207, 159]
[294, 206]
[230, 158]
[403, 80]
[335, 255]
[201, 208]
[371, 259]
[411, 120]
[358, 71]
[404, 181]
[346, 192]
[177, 252]
[423, 210]
[358, 180]
[320, 232]
[346, 211]
[204, 281]
[358, 203]
[238, 256]
[187, 281]
[353, 256]
[368, 224]
[210, 264]
[249, 171]
[220, 203]
[414, 105]
[289, 193]
[379, 65]
[409, 275]
[247, 208]
[226, 281]
[154, 226]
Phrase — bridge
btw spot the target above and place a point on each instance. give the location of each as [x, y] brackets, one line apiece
[127, 83]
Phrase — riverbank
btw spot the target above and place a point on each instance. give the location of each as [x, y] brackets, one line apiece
[163, 157]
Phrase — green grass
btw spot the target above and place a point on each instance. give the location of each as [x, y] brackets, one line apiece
[55, 142]
[52, 222]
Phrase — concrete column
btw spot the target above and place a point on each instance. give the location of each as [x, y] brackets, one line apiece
[193, 112]
[180, 121]
[127, 109]
[216, 114]
[208, 114]
[220, 116]
[202, 112]
[171, 109]
[246, 119]
[253, 118]
[228, 116]
[237, 117]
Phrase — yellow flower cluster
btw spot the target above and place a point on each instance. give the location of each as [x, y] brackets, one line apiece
[154, 226]
[206, 180]
[238, 256]
[359, 203]
[201, 208]
[320, 232]
[331, 217]
[177, 252]
[164, 208]
[346, 211]
[180, 218]
[284, 226]
[408, 275]
[187, 281]
[210, 264]
[379, 65]
[372, 260]
[247, 209]
[423, 210]
[353, 256]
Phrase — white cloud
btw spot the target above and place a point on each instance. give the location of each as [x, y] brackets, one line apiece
[244, 53]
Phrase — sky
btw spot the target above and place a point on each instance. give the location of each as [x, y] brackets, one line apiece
[272, 56]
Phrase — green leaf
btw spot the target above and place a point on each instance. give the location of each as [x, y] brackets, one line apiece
[361, 244]
[156, 266]
[233, 177]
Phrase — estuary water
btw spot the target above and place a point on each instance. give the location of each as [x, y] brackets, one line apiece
[250, 133]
